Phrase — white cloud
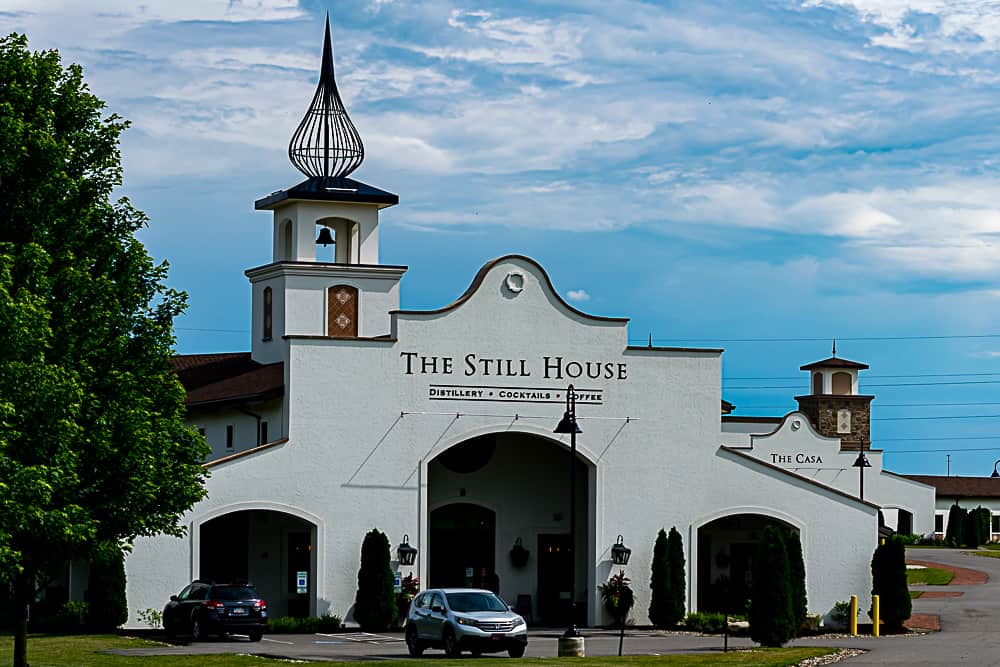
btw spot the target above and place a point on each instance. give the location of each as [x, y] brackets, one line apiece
[511, 40]
[577, 295]
[934, 26]
[168, 11]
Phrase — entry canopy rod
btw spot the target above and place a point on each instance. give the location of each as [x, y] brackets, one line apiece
[516, 415]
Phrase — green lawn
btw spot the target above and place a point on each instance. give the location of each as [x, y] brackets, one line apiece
[915, 594]
[929, 575]
[987, 554]
[992, 546]
[86, 651]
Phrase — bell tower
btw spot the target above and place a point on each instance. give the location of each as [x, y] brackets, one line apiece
[834, 406]
[308, 288]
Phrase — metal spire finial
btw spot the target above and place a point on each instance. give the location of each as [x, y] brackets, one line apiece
[326, 144]
[834, 347]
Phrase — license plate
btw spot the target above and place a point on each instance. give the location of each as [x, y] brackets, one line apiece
[497, 635]
[238, 611]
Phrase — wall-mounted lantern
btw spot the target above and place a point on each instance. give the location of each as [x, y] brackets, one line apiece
[407, 554]
[518, 554]
[620, 553]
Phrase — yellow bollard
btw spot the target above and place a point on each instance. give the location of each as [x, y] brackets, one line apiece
[875, 615]
[853, 616]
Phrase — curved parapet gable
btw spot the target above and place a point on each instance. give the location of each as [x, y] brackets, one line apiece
[512, 285]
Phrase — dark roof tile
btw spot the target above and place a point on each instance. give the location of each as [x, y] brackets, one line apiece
[961, 487]
[834, 362]
[212, 379]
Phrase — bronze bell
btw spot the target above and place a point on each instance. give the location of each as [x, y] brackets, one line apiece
[324, 237]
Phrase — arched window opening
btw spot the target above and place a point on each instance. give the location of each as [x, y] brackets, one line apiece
[342, 311]
[337, 241]
[842, 383]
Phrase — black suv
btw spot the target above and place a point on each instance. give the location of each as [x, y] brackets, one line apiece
[205, 607]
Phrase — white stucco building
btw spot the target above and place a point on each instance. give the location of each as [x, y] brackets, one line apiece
[351, 413]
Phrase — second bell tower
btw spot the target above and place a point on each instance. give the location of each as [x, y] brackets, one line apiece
[308, 288]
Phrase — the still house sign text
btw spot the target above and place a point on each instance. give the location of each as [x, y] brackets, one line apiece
[554, 368]
[546, 368]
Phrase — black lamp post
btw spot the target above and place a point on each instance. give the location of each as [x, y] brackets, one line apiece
[995, 473]
[861, 463]
[568, 425]
[407, 555]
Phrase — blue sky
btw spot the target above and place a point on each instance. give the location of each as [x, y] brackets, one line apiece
[762, 176]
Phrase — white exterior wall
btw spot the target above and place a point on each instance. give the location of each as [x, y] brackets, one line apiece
[795, 446]
[215, 421]
[363, 433]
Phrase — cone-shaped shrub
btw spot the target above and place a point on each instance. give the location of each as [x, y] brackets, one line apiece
[955, 535]
[659, 584]
[375, 603]
[675, 565]
[772, 622]
[889, 583]
[977, 527]
[797, 572]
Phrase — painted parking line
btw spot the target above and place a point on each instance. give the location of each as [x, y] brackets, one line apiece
[277, 641]
[362, 637]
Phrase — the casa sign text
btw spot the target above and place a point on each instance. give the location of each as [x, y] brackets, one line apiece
[545, 368]
[796, 458]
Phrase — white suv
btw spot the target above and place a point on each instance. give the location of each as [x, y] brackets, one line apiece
[464, 618]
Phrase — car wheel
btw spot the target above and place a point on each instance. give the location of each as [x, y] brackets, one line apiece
[476, 653]
[413, 644]
[516, 651]
[255, 635]
[197, 632]
[451, 647]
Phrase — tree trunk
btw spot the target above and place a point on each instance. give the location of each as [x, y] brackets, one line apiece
[24, 590]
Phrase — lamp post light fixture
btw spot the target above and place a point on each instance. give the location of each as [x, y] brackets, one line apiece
[861, 463]
[407, 555]
[568, 425]
[620, 553]
[995, 473]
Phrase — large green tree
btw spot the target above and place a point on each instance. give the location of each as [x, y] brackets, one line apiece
[93, 444]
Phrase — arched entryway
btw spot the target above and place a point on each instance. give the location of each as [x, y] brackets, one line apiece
[270, 549]
[727, 549]
[489, 492]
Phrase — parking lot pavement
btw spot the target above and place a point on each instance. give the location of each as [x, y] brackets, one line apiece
[359, 645]
[968, 634]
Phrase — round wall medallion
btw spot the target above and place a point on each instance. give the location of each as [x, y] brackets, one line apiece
[514, 281]
[796, 424]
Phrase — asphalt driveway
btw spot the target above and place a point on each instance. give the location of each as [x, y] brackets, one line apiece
[969, 633]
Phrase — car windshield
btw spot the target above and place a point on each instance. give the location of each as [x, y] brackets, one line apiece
[234, 593]
[475, 602]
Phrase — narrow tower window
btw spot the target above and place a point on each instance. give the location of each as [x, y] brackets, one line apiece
[817, 383]
[267, 313]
